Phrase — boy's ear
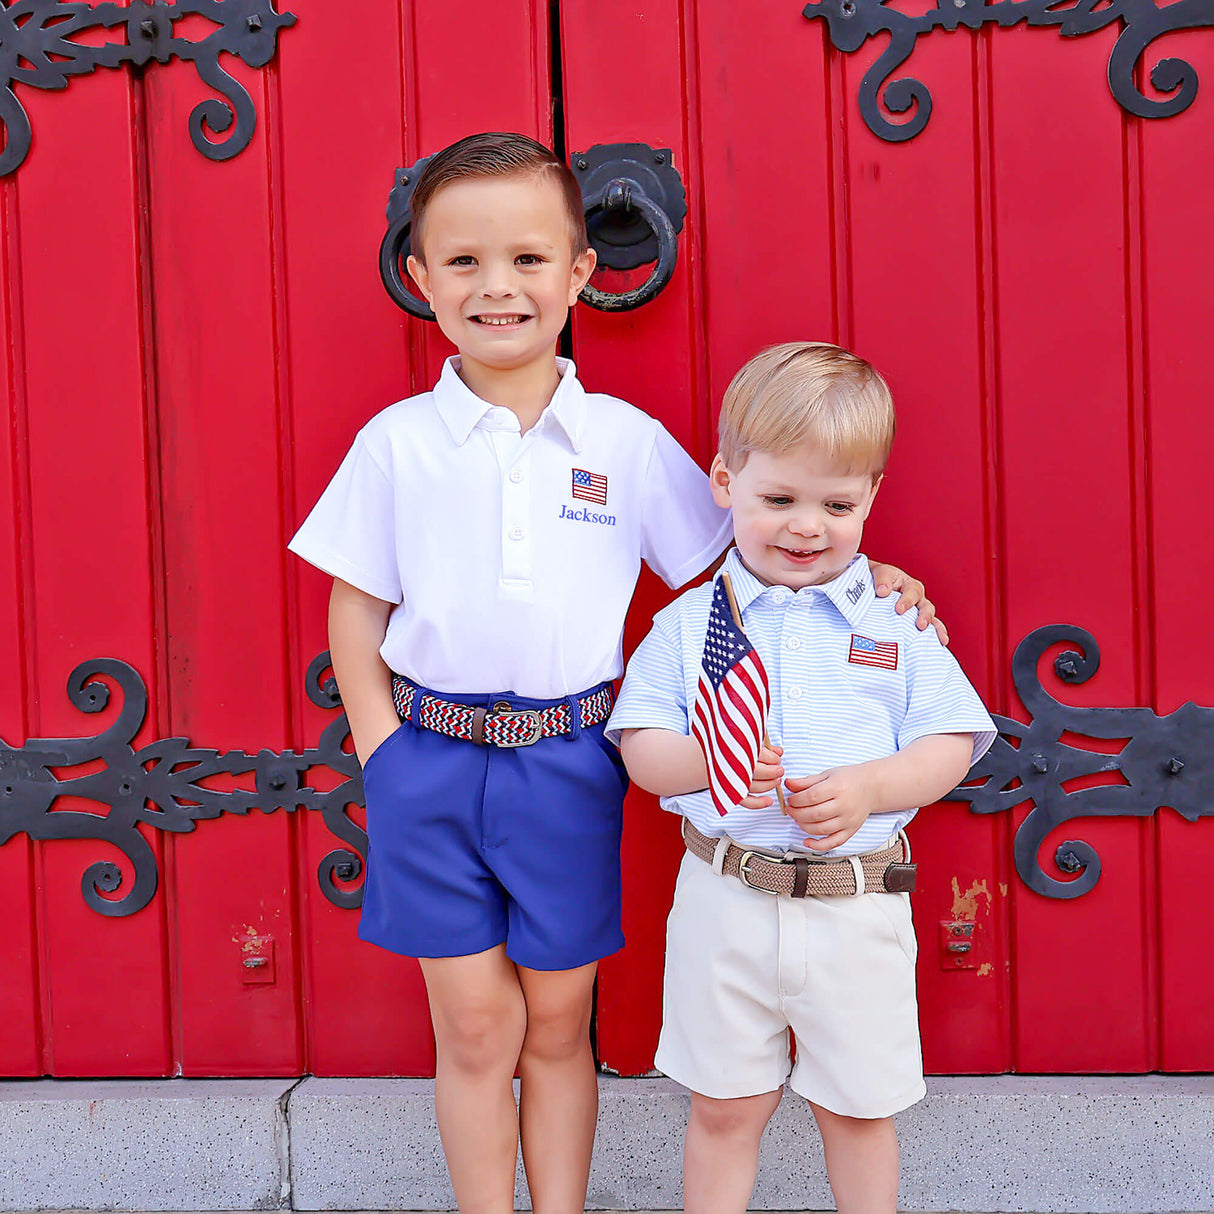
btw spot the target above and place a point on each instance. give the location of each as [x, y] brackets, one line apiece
[720, 478]
[583, 267]
[420, 275]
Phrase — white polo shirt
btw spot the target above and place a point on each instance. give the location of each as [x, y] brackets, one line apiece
[511, 557]
[851, 680]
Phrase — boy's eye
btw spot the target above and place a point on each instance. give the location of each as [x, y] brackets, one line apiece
[529, 259]
[840, 507]
[464, 259]
[776, 499]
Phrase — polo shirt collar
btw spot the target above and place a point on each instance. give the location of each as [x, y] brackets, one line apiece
[461, 409]
[851, 592]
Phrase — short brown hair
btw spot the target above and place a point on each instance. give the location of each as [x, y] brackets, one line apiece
[808, 391]
[496, 154]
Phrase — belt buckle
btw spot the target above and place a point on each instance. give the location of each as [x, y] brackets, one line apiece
[530, 714]
[745, 859]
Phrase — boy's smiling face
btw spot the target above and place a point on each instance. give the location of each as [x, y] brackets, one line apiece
[798, 518]
[500, 272]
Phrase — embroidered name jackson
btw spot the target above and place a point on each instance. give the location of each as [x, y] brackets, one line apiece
[587, 516]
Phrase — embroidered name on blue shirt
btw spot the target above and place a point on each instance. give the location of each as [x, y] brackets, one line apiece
[855, 591]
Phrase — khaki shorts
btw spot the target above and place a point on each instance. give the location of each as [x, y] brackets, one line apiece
[743, 967]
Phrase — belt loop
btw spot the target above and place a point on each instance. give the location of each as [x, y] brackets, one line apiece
[718, 854]
[415, 706]
[858, 868]
[905, 846]
[575, 716]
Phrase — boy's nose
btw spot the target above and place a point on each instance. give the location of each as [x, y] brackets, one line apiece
[805, 524]
[497, 283]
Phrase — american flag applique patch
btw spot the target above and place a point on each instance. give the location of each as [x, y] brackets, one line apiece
[590, 486]
[867, 652]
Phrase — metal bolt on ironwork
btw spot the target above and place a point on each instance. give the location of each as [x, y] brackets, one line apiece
[659, 158]
[1067, 860]
[253, 21]
[148, 28]
[278, 781]
[582, 164]
[1040, 764]
[1175, 765]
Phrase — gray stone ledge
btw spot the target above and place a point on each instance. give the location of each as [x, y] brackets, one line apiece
[1050, 1145]
[171, 1144]
[1108, 1145]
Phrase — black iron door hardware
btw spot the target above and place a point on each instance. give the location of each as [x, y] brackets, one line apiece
[635, 206]
[37, 48]
[160, 785]
[851, 23]
[1165, 760]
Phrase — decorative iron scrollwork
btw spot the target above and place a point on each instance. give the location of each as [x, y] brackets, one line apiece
[37, 48]
[852, 22]
[1165, 760]
[162, 785]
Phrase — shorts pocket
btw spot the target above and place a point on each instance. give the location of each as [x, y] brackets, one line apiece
[895, 910]
[386, 745]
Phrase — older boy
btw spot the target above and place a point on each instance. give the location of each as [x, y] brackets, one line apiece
[476, 599]
[869, 718]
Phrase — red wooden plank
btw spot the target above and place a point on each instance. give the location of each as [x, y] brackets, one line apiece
[914, 240]
[350, 353]
[20, 1010]
[88, 470]
[1067, 509]
[1179, 304]
[654, 358]
[215, 334]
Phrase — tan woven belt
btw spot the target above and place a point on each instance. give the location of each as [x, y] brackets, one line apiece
[502, 725]
[888, 871]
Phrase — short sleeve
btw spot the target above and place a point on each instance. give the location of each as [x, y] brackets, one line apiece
[940, 699]
[682, 528]
[351, 532]
[653, 695]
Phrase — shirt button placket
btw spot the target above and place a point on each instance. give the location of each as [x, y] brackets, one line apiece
[516, 522]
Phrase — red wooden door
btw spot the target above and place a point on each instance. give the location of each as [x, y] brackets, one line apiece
[1016, 271]
[191, 345]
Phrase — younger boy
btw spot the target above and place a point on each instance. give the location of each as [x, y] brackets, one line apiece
[869, 718]
[485, 539]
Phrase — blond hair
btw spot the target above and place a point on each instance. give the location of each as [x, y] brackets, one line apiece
[808, 392]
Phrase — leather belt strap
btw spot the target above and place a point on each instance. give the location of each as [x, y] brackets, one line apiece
[887, 871]
[501, 725]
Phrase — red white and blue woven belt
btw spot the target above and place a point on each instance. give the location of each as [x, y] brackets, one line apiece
[500, 725]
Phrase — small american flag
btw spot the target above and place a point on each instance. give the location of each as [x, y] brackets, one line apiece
[590, 486]
[867, 652]
[731, 705]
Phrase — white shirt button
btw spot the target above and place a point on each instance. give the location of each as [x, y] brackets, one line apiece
[516, 475]
[794, 693]
[778, 598]
[793, 642]
[516, 533]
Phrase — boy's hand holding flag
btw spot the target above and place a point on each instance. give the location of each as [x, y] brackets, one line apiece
[729, 718]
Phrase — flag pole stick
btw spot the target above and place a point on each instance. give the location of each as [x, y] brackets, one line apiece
[737, 619]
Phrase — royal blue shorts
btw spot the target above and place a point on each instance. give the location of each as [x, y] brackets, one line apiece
[471, 846]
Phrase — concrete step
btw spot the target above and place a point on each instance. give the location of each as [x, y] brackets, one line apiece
[1043, 1144]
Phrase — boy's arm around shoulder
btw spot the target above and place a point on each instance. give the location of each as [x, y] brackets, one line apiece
[357, 624]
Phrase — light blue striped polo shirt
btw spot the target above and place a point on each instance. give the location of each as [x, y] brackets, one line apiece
[851, 680]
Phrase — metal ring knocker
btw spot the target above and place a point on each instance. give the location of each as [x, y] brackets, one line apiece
[623, 194]
[394, 248]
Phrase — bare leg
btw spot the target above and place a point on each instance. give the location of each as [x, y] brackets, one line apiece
[476, 1004]
[721, 1152]
[861, 1161]
[559, 1095]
